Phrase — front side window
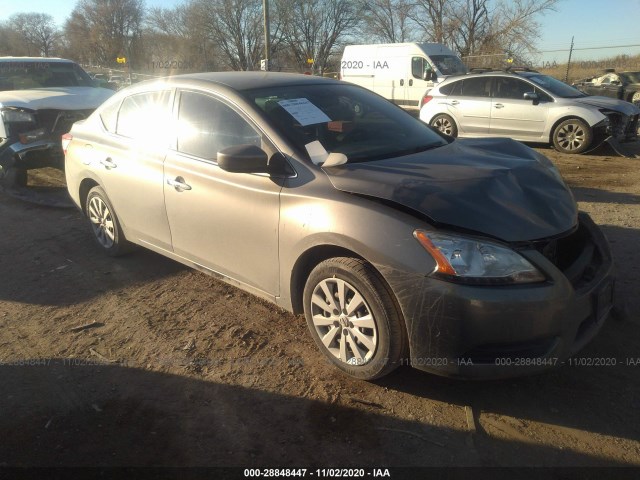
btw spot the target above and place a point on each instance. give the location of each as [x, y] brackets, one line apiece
[419, 67]
[556, 87]
[146, 117]
[206, 125]
[511, 88]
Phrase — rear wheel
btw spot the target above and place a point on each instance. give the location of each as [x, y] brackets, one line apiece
[445, 124]
[353, 318]
[636, 99]
[104, 223]
[572, 136]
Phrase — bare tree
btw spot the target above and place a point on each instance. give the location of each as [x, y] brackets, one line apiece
[435, 19]
[38, 31]
[388, 21]
[102, 30]
[235, 28]
[313, 29]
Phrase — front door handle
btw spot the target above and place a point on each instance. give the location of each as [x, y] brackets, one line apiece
[411, 82]
[402, 82]
[454, 102]
[108, 163]
[498, 105]
[179, 184]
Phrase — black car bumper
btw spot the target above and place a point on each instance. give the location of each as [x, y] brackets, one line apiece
[504, 331]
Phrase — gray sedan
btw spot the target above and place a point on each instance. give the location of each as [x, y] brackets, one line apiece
[400, 245]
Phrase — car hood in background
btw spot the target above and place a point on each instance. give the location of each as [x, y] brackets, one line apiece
[606, 102]
[496, 187]
[57, 98]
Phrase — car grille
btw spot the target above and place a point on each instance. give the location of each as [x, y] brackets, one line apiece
[575, 255]
[59, 122]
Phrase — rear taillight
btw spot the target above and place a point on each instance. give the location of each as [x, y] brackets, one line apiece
[426, 99]
[66, 140]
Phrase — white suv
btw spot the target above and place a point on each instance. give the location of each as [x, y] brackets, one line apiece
[527, 106]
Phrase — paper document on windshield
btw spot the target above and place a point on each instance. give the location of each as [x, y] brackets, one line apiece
[305, 112]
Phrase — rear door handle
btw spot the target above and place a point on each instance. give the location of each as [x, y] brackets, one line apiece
[108, 163]
[179, 184]
[498, 105]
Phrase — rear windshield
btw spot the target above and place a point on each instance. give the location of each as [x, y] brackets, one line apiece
[21, 75]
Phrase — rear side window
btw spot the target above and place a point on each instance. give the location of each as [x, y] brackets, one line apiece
[109, 116]
[207, 125]
[145, 117]
[476, 87]
[454, 88]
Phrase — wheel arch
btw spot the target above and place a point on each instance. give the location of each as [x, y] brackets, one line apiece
[306, 263]
[85, 187]
[562, 119]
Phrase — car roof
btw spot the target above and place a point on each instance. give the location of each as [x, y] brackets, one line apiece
[248, 80]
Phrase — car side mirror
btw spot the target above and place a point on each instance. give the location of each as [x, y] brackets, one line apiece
[243, 159]
[533, 96]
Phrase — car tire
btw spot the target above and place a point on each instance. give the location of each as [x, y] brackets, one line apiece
[104, 223]
[445, 124]
[635, 99]
[366, 340]
[572, 136]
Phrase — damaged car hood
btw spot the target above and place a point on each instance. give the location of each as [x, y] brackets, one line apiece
[611, 103]
[57, 98]
[514, 195]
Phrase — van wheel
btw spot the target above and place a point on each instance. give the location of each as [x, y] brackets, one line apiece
[572, 136]
[353, 318]
[445, 124]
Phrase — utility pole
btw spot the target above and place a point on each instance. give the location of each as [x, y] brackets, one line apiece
[267, 36]
[566, 76]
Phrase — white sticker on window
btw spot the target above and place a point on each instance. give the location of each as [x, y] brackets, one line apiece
[305, 112]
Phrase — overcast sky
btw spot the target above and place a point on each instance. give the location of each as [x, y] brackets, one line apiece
[594, 23]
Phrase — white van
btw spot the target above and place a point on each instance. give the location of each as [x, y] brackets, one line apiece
[401, 72]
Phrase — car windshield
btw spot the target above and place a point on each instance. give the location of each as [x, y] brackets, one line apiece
[556, 87]
[345, 119]
[631, 77]
[449, 64]
[24, 75]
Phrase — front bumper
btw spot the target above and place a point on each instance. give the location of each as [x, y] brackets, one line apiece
[42, 153]
[499, 332]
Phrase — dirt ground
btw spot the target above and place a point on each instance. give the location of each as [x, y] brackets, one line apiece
[179, 369]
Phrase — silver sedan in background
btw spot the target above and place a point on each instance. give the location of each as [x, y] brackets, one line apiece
[530, 107]
[400, 245]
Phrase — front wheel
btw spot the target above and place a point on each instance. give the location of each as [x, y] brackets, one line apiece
[572, 136]
[445, 124]
[104, 223]
[353, 318]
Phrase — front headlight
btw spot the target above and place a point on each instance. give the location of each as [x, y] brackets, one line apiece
[17, 116]
[470, 260]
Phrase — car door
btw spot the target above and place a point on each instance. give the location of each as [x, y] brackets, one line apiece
[226, 222]
[611, 86]
[416, 85]
[512, 115]
[129, 164]
[470, 105]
